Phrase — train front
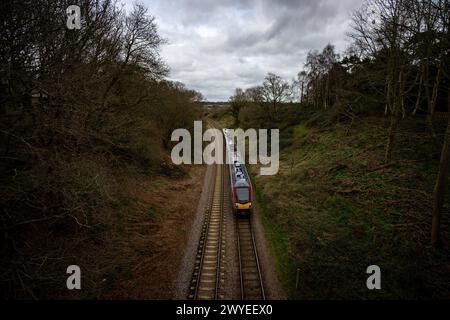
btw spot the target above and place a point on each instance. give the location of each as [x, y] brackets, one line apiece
[242, 196]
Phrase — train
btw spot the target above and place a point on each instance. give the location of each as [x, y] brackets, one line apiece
[240, 183]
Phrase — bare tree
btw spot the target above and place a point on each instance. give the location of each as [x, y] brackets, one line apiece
[380, 28]
[274, 92]
[301, 78]
[141, 43]
[319, 66]
[441, 184]
[444, 165]
[428, 31]
[237, 102]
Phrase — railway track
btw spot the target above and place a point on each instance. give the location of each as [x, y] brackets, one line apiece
[252, 287]
[208, 271]
[207, 282]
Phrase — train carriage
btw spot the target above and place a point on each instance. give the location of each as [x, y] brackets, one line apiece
[241, 186]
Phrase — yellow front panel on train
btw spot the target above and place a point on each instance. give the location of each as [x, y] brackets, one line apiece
[245, 206]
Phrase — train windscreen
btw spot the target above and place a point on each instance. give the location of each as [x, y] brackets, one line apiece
[242, 195]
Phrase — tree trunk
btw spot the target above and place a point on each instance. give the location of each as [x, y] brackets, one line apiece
[301, 93]
[391, 136]
[441, 184]
[419, 94]
[432, 105]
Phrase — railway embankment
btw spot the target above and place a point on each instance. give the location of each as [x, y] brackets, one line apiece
[336, 207]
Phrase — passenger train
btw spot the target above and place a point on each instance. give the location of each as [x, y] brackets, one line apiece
[241, 186]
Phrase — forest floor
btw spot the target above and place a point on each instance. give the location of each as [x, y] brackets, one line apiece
[154, 245]
[336, 208]
[136, 252]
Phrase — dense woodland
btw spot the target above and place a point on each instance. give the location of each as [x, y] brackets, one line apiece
[396, 68]
[79, 108]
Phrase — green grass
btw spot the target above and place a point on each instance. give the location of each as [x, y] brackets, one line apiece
[278, 238]
[334, 209]
[300, 131]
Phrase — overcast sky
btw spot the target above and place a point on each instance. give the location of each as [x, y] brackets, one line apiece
[218, 45]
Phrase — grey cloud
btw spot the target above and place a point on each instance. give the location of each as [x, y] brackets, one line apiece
[216, 46]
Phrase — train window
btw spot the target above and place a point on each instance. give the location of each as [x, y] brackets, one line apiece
[242, 194]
